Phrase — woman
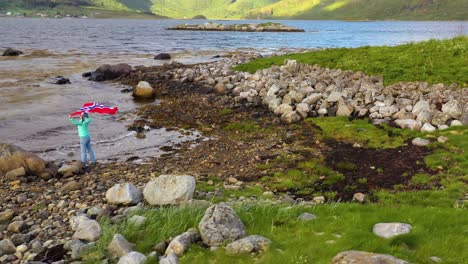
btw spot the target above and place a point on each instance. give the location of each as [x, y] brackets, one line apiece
[85, 139]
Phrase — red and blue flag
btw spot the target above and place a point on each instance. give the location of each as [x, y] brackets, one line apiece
[95, 107]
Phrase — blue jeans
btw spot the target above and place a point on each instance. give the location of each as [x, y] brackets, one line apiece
[85, 145]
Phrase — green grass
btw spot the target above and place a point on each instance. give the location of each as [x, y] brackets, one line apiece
[433, 61]
[437, 231]
[362, 132]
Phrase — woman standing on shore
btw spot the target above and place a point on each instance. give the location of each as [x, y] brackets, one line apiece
[85, 139]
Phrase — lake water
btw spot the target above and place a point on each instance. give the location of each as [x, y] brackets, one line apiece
[33, 112]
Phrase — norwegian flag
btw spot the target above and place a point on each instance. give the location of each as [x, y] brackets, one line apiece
[94, 107]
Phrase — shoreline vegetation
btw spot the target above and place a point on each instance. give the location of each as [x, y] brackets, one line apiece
[262, 27]
[308, 188]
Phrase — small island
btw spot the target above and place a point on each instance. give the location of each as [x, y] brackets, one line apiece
[263, 27]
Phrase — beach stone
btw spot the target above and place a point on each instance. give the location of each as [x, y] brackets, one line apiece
[344, 108]
[13, 174]
[137, 220]
[312, 99]
[123, 194]
[451, 108]
[19, 239]
[424, 117]
[77, 220]
[361, 257]
[442, 127]
[71, 168]
[17, 227]
[408, 124]
[143, 90]
[109, 72]
[359, 197]
[440, 119]
[169, 259]
[119, 246]
[78, 249]
[12, 157]
[169, 189]
[306, 217]
[421, 106]
[220, 88]
[442, 139]
[435, 259]
[70, 186]
[334, 97]
[163, 56]
[180, 244]
[389, 230]
[303, 109]
[88, 230]
[10, 52]
[6, 216]
[283, 108]
[455, 123]
[221, 224]
[290, 117]
[246, 245]
[322, 111]
[464, 118]
[420, 142]
[7, 247]
[428, 128]
[60, 80]
[132, 258]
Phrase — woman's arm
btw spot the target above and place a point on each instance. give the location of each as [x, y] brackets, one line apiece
[73, 121]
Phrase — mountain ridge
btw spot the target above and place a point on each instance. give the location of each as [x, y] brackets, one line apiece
[262, 9]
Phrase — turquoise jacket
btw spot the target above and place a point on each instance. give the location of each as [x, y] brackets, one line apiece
[82, 126]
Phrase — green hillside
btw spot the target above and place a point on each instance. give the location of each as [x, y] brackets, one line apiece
[265, 9]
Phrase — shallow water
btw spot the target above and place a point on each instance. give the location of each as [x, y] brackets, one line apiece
[33, 112]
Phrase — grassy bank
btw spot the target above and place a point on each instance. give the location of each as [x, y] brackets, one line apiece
[434, 61]
[437, 231]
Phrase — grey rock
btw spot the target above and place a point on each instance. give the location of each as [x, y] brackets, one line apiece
[169, 259]
[246, 245]
[169, 189]
[456, 123]
[435, 259]
[19, 239]
[6, 247]
[143, 90]
[180, 244]
[420, 142]
[306, 217]
[123, 194]
[442, 139]
[290, 117]
[451, 108]
[17, 227]
[78, 249]
[359, 197]
[13, 174]
[221, 224]
[361, 257]
[88, 230]
[137, 220]
[6, 216]
[12, 52]
[334, 97]
[119, 246]
[344, 108]
[132, 258]
[70, 186]
[440, 119]
[428, 128]
[388, 230]
[409, 124]
[162, 56]
[420, 107]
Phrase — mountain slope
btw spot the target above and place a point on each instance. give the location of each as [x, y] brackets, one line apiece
[270, 9]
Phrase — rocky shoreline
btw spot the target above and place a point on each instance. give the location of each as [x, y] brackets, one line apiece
[264, 27]
[40, 201]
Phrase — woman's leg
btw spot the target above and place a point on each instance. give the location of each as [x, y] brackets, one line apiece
[83, 150]
[90, 150]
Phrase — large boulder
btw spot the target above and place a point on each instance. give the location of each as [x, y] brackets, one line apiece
[12, 158]
[220, 224]
[109, 72]
[451, 108]
[12, 52]
[123, 194]
[247, 245]
[388, 230]
[361, 257]
[143, 90]
[169, 189]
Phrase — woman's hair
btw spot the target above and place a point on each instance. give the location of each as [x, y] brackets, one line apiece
[83, 115]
